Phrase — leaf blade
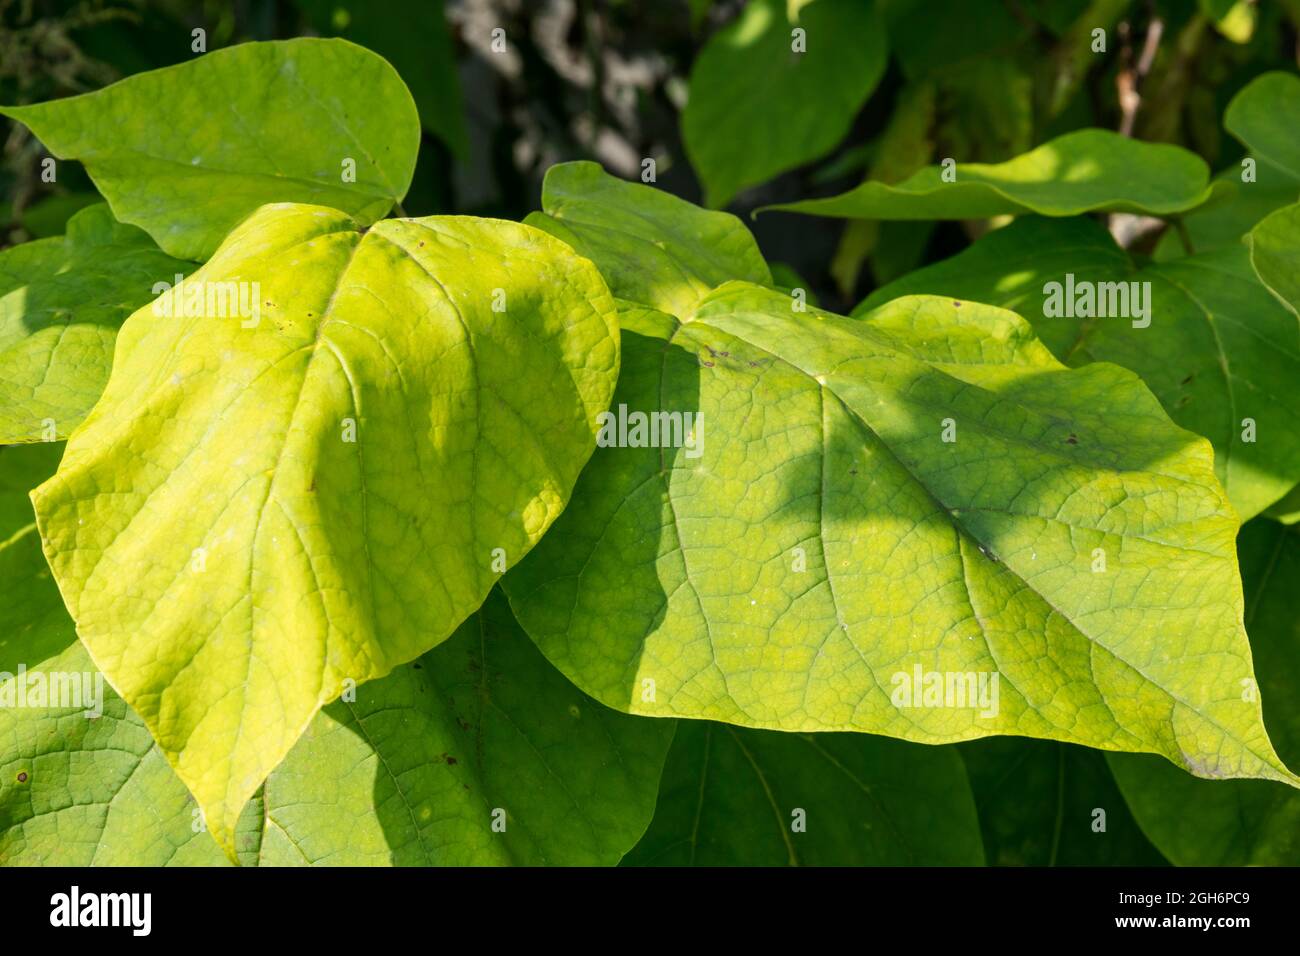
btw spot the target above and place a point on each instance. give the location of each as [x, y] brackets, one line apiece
[290, 451]
[190, 183]
[1084, 171]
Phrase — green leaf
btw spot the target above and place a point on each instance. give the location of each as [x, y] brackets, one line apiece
[408, 774]
[651, 246]
[736, 797]
[1084, 171]
[261, 509]
[1238, 822]
[417, 44]
[188, 151]
[1275, 253]
[757, 107]
[1048, 804]
[1264, 115]
[61, 303]
[816, 540]
[1219, 349]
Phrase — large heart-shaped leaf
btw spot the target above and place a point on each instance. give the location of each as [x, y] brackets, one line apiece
[737, 797]
[1265, 115]
[769, 93]
[1219, 352]
[188, 151]
[827, 540]
[61, 302]
[1083, 171]
[811, 541]
[479, 753]
[1237, 822]
[265, 508]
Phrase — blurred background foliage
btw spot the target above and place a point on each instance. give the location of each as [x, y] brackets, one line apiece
[610, 80]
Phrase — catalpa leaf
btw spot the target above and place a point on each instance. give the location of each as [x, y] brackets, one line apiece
[1275, 253]
[1237, 822]
[652, 247]
[737, 797]
[815, 551]
[1084, 171]
[1217, 350]
[188, 151]
[264, 508]
[61, 302]
[1043, 803]
[768, 93]
[810, 552]
[479, 753]
[1264, 115]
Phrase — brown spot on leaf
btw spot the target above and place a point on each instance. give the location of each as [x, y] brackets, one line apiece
[22, 777]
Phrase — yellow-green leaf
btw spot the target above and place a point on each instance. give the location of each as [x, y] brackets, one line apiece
[856, 507]
[266, 509]
[1084, 171]
[188, 151]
